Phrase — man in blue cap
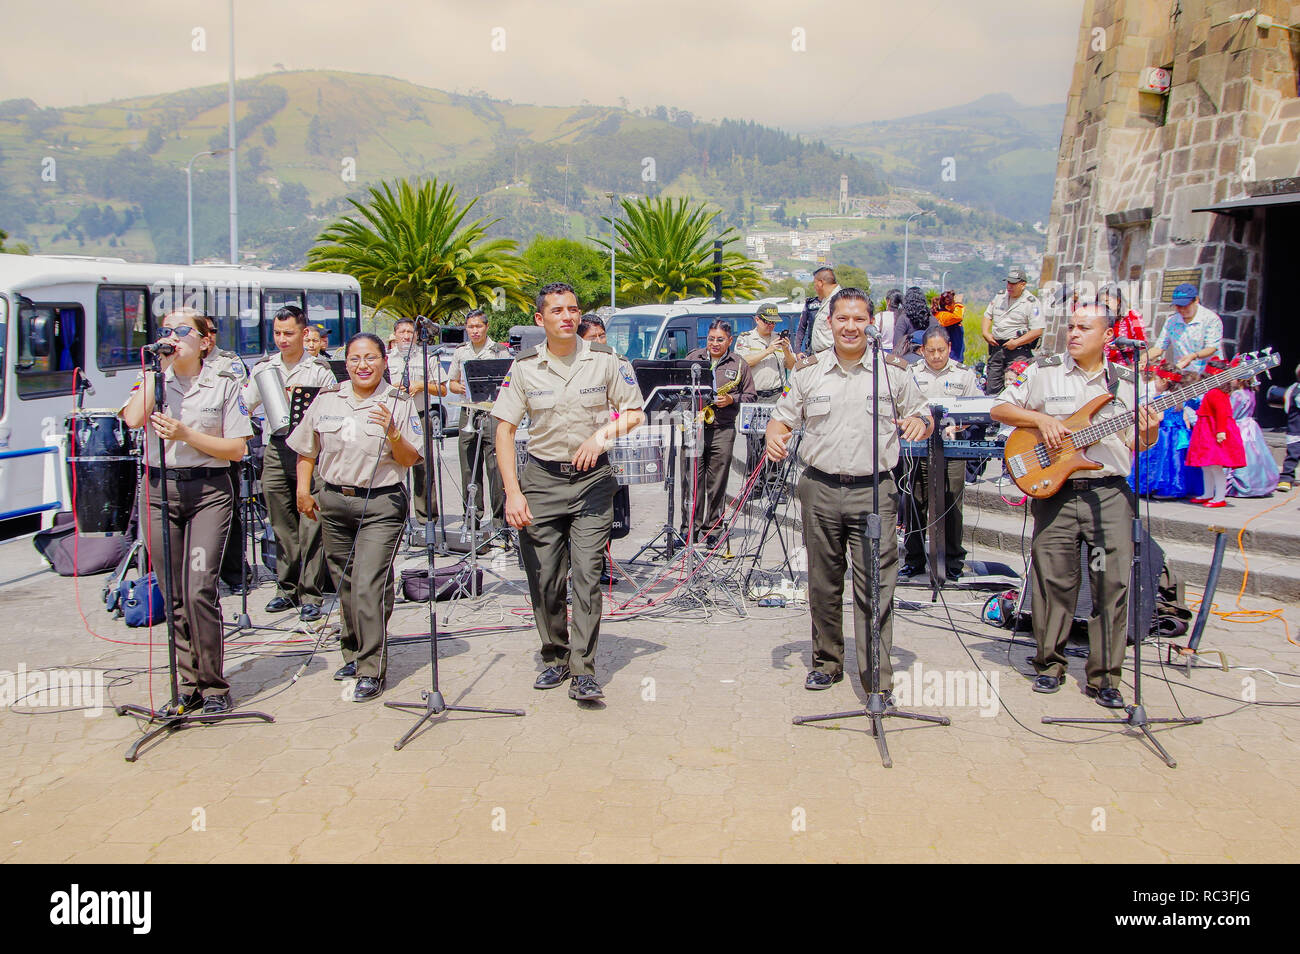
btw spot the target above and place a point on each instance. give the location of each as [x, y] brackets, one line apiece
[1191, 334]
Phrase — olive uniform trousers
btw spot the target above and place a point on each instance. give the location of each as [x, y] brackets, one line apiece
[835, 522]
[1100, 516]
[709, 486]
[487, 459]
[360, 544]
[199, 512]
[300, 559]
[918, 517]
[572, 518]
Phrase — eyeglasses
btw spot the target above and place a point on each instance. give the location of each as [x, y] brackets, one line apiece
[184, 331]
[364, 359]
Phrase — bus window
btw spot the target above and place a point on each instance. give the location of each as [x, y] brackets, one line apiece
[273, 299]
[4, 349]
[51, 344]
[351, 315]
[739, 325]
[235, 312]
[323, 309]
[632, 335]
[122, 326]
[675, 345]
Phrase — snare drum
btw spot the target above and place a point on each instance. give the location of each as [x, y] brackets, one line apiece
[637, 459]
[102, 466]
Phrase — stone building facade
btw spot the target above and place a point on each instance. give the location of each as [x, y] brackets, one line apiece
[1199, 184]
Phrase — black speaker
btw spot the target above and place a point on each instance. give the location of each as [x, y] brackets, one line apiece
[1150, 565]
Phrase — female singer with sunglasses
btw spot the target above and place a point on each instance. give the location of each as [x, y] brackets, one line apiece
[365, 437]
[203, 426]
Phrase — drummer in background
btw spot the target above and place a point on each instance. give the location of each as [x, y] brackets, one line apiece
[204, 426]
[474, 449]
[364, 437]
[406, 372]
[300, 561]
[941, 381]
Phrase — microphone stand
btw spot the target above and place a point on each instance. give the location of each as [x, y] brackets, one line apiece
[178, 720]
[1137, 717]
[879, 705]
[431, 702]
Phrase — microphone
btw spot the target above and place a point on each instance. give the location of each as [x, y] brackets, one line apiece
[160, 347]
[873, 331]
[1130, 343]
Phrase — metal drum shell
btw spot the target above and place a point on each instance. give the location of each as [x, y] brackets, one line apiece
[275, 404]
[638, 459]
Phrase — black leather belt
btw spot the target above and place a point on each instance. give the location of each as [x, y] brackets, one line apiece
[769, 392]
[566, 469]
[1090, 483]
[189, 473]
[844, 480]
[362, 491]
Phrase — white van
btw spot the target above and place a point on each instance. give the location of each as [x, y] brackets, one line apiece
[670, 332]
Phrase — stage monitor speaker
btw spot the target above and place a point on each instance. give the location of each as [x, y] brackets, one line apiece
[1150, 566]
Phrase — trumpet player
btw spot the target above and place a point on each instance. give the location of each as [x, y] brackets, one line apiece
[704, 478]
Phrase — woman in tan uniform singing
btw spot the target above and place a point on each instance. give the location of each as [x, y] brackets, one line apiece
[204, 426]
[364, 437]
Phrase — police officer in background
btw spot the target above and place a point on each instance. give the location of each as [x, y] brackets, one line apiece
[562, 504]
[830, 395]
[769, 357]
[1095, 509]
[941, 381]
[300, 562]
[1013, 323]
[365, 436]
[704, 478]
[406, 372]
[476, 453]
[204, 426]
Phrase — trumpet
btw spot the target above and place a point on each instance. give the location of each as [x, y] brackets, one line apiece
[710, 410]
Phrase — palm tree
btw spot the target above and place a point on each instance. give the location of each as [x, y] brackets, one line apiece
[666, 253]
[405, 249]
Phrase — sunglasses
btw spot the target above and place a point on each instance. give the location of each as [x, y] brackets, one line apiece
[184, 331]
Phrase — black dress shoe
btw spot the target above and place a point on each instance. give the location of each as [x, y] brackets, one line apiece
[954, 574]
[216, 705]
[310, 612]
[906, 572]
[368, 687]
[1109, 698]
[822, 680]
[711, 541]
[349, 671]
[279, 604]
[551, 677]
[189, 702]
[1047, 683]
[585, 689]
[606, 579]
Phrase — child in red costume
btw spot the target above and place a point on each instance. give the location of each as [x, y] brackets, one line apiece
[1216, 440]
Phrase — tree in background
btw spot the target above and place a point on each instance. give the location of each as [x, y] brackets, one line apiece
[411, 255]
[665, 253]
[18, 248]
[555, 260]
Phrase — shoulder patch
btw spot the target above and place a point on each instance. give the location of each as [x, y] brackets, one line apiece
[1049, 361]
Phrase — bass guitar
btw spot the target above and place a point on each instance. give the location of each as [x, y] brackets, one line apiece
[1040, 471]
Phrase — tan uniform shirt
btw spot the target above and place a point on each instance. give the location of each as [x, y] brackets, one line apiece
[467, 352]
[822, 338]
[834, 405]
[953, 381]
[309, 372]
[768, 372]
[565, 404]
[223, 359]
[1059, 387]
[338, 433]
[398, 359]
[1011, 319]
[211, 402]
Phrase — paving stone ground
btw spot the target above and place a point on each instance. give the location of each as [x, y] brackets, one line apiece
[692, 757]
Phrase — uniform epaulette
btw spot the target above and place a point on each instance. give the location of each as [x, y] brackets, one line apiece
[807, 361]
[961, 367]
[1123, 373]
[400, 395]
[526, 354]
[1049, 361]
[602, 348]
[230, 372]
[897, 362]
[324, 363]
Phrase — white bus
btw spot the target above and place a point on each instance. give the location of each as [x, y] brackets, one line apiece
[61, 313]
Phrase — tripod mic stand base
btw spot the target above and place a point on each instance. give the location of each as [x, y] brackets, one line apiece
[174, 723]
[1137, 719]
[434, 705]
[877, 710]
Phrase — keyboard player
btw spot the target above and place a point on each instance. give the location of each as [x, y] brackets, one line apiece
[941, 380]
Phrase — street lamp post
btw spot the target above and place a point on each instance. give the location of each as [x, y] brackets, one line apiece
[613, 214]
[906, 236]
[943, 281]
[189, 196]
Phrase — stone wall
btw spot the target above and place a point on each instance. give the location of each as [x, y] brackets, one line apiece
[1133, 166]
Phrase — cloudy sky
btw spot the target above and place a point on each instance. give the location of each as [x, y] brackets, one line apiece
[793, 64]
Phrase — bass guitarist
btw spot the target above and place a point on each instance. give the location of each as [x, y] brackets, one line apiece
[1096, 510]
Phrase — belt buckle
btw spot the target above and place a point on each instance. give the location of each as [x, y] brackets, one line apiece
[567, 470]
[348, 491]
